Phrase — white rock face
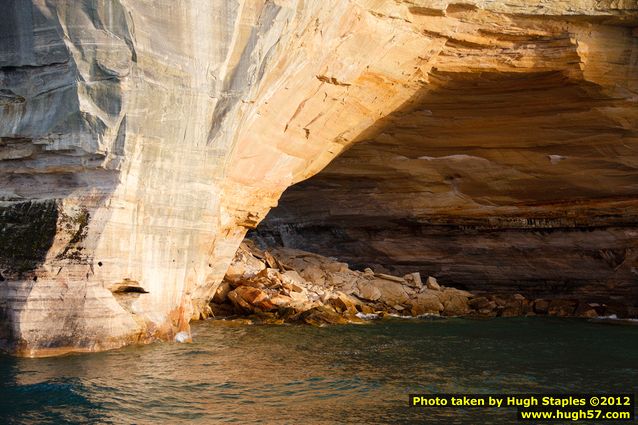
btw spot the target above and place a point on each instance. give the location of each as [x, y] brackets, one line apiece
[141, 139]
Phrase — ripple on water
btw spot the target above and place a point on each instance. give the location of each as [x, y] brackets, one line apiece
[288, 374]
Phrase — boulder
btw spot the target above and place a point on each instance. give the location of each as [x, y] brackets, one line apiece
[541, 306]
[336, 267]
[479, 303]
[281, 301]
[483, 307]
[368, 291]
[239, 303]
[244, 265]
[392, 292]
[513, 306]
[314, 274]
[413, 280]
[487, 312]
[586, 310]
[271, 261]
[250, 299]
[512, 310]
[267, 318]
[389, 277]
[426, 303]
[528, 306]
[293, 277]
[365, 308]
[255, 282]
[344, 304]
[431, 283]
[619, 309]
[222, 292]
[561, 307]
[322, 315]
[455, 302]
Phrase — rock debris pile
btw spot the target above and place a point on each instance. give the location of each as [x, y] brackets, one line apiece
[284, 285]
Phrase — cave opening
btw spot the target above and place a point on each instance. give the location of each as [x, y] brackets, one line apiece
[498, 182]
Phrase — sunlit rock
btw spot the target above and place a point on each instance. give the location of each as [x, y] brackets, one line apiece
[141, 140]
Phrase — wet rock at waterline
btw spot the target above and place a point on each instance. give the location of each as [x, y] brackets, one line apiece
[309, 288]
[141, 140]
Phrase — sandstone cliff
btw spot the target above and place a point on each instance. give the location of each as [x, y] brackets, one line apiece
[140, 140]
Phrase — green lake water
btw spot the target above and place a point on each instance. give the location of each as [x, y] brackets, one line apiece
[358, 374]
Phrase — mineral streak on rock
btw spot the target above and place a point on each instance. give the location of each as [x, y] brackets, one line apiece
[140, 140]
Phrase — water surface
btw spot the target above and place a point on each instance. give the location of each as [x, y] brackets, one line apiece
[341, 374]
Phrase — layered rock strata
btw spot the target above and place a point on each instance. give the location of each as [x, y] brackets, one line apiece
[140, 140]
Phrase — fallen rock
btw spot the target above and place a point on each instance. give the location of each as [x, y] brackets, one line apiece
[479, 303]
[319, 290]
[426, 303]
[392, 292]
[281, 300]
[222, 292]
[271, 261]
[250, 299]
[322, 315]
[336, 267]
[483, 307]
[432, 283]
[562, 307]
[541, 306]
[513, 307]
[345, 304]
[455, 302]
[368, 291]
[587, 312]
[365, 309]
[244, 265]
[314, 274]
[618, 309]
[293, 277]
[413, 280]
[239, 302]
[389, 277]
[584, 310]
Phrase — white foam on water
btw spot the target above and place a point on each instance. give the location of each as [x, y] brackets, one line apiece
[182, 337]
[614, 317]
[370, 316]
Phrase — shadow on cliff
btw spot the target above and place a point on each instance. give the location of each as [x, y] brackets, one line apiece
[487, 182]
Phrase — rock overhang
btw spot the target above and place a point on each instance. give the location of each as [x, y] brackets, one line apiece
[177, 128]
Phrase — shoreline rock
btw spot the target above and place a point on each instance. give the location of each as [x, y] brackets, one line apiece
[284, 285]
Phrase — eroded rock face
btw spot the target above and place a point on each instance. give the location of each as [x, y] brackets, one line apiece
[140, 140]
[512, 170]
